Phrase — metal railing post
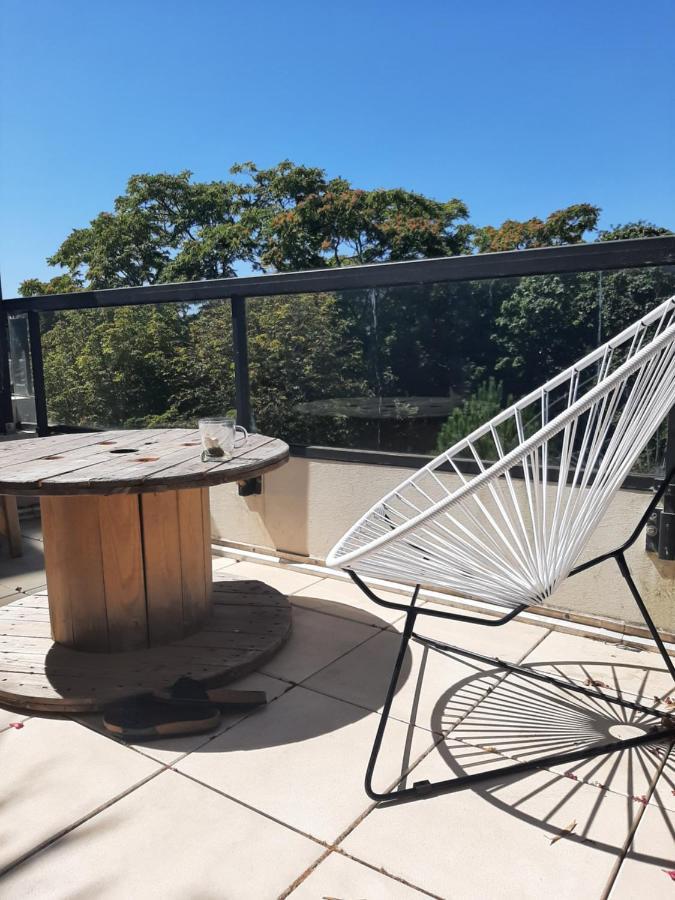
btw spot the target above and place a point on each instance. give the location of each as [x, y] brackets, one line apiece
[242, 385]
[35, 344]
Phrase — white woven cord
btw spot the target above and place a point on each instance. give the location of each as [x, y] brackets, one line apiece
[512, 537]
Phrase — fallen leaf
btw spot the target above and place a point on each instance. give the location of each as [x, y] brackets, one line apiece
[16, 725]
[641, 799]
[595, 682]
[489, 748]
[570, 774]
[670, 873]
[564, 832]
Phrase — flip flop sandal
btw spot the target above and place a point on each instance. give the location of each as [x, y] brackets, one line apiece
[187, 690]
[145, 717]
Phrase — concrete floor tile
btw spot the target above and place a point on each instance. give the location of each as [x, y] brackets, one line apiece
[22, 572]
[497, 838]
[303, 761]
[362, 677]
[648, 869]
[10, 716]
[54, 772]
[640, 673]
[221, 562]
[342, 598]
[283, 579]
[32, 528]
[340, 876]
[663, 795]
[170, 839]
[431, 683]
[316, 640]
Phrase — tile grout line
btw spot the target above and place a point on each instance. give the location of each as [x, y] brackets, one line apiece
[254, 809]
[323, 612]
[380, 871]
[614, 874]
[303, 876]
[370, 637]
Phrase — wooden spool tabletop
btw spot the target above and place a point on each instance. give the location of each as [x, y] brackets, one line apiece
[128, 462]
[127, 537]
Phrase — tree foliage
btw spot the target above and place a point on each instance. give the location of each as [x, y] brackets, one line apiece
[170, 364]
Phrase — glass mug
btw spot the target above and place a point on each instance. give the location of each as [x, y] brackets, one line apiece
[219, 438]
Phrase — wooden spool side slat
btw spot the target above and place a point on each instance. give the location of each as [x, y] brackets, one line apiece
[163, 580]
[123, 571]
[206, 533]
[196, 600]
[74, 565]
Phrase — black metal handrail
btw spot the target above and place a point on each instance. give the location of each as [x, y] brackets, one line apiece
[603, 255]
[576, 258]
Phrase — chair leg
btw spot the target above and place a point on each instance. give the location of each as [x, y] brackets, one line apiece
[653, 630]
[619, 556]
[664, 727]
[411, 616]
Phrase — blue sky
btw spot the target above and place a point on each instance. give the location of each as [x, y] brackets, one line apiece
[517, 108]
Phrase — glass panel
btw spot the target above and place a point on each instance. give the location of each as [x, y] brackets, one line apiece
[416, 369]
[410, 370]
[20, 371]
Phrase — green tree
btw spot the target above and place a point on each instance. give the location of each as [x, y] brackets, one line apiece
[300, 349]
[547, 322]
[163, 365]
[565, 226]
[474, 411]
[115, 367]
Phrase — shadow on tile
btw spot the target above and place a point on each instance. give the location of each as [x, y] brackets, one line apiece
[518, 720]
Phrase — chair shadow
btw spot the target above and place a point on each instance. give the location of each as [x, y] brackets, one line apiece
[521, 720]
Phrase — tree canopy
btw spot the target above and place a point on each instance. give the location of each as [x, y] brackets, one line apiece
[167, 227]
[169, 364]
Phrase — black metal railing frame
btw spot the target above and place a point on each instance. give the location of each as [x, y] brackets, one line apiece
[559, 260]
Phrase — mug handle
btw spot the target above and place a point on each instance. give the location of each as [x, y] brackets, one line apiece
[240, 428]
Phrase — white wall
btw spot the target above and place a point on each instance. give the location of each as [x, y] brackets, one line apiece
[307, 505]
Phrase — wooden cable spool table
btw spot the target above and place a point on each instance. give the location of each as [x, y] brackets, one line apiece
[130, 603]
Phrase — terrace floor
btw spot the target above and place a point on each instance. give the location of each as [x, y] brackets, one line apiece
[272, 803]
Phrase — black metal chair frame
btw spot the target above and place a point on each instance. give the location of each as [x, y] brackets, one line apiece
[665, 727]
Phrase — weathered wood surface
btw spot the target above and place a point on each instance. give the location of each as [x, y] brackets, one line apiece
[141, 461]
[249, 623]
[127, 571]
[9, 524]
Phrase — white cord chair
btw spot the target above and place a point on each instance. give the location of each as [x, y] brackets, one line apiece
[530, 487]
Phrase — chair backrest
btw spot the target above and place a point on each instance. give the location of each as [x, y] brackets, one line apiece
[545, 471]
